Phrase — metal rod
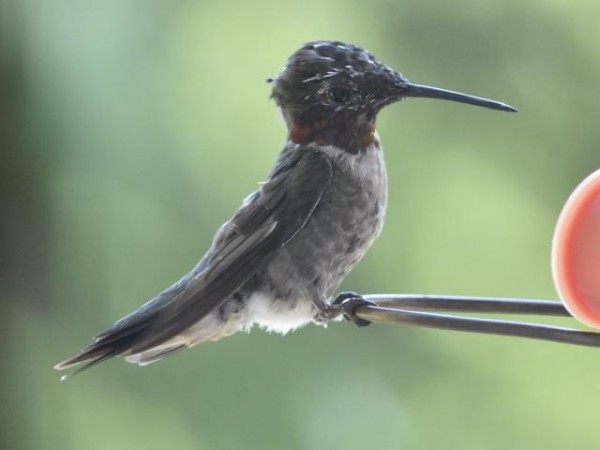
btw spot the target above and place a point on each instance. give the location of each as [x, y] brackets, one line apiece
[488, 305]
[472, 325]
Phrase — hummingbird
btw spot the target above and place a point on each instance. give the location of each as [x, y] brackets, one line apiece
[278, 261]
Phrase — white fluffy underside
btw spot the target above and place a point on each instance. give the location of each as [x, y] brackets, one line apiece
[272, 316]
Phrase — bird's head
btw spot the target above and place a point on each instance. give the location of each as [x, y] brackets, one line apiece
[331, 92]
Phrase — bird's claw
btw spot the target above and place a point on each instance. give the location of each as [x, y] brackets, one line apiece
[347, 303]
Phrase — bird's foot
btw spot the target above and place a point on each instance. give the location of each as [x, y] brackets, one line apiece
[347, 302]
[326, 313]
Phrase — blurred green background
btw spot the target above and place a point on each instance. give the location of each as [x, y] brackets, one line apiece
[130, 130]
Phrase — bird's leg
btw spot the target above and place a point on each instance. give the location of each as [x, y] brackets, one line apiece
[325, 312]
[345, 304]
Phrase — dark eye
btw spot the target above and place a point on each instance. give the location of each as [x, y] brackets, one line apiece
[339, 94]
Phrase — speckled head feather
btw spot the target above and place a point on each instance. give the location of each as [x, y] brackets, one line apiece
[330, 94]
[325, 77]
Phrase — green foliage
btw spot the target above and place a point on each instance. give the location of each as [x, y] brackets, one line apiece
[131, 130]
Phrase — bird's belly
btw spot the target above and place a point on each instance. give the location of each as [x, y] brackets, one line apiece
[310, 267]
[278, 315]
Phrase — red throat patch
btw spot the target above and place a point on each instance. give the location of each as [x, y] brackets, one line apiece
[370, 136]
[321, 133]
[301, 133]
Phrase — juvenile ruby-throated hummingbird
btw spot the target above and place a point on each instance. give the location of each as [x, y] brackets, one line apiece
[277, 262]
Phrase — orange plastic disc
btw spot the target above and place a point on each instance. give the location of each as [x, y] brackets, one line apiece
[576, 252]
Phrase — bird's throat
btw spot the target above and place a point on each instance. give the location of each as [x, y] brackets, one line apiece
[352, 136]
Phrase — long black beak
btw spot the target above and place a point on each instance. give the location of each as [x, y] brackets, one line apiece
[418, 310]
[417, 90]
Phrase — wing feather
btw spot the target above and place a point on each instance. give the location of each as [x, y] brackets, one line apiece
[268, 220]
[283, 206]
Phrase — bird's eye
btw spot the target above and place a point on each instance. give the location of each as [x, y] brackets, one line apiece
[339, 94]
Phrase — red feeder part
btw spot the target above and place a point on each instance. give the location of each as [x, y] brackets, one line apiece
[576, 252]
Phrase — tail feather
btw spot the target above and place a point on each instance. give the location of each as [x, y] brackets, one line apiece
[128, 337]
[113, 342]
[149, 356]
[123, 335]
[86, 366]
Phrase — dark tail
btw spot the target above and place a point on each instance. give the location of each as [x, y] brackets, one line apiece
[132, 329]
[113, 342]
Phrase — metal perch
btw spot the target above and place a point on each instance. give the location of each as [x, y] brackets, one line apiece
[417, 310]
